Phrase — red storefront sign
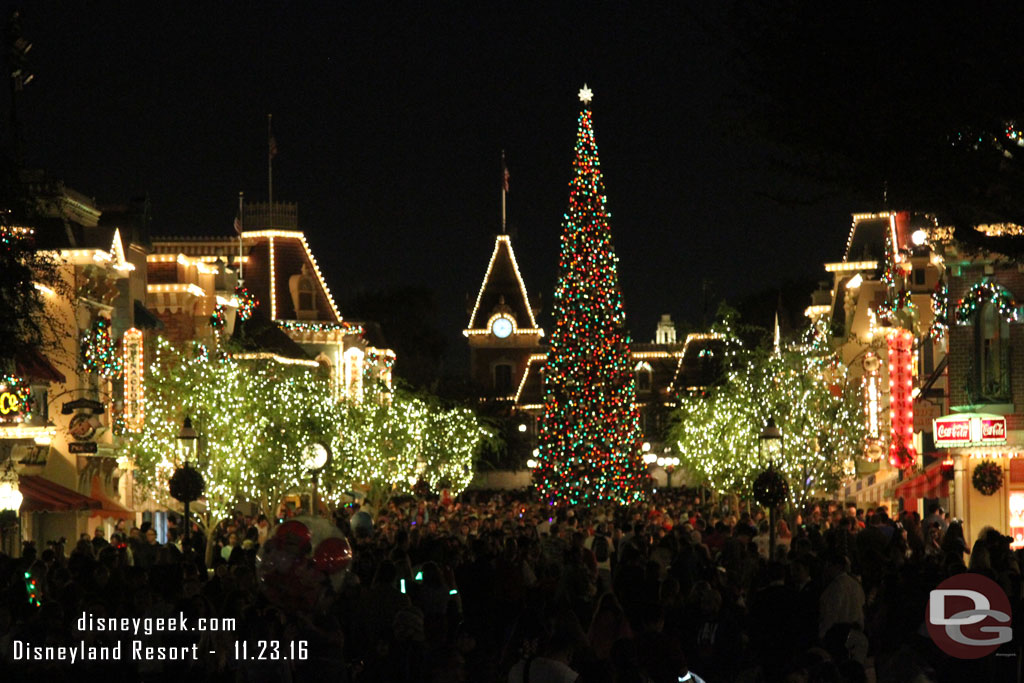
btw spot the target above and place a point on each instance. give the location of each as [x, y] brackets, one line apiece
[953, 431]
[993, 430]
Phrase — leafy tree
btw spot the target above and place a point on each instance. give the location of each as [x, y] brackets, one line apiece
[804, 388]
[24, 268]
[255, 420]
[392, 441]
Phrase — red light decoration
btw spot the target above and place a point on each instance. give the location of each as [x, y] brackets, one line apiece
[902, 453]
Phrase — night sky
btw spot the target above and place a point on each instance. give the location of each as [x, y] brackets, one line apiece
[390, 122]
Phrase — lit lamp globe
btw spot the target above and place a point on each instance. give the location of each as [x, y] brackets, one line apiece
[10, 496]
[314, 456]
[187, 439]
[770, 487]
[770, 442]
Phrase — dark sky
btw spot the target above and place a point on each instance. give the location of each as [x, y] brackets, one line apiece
[390, 119]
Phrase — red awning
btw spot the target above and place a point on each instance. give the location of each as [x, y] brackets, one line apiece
[43, 495]
[31, 364]
[108, 507]
[928, 484]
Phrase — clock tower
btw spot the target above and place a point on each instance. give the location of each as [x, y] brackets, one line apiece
[502, 330]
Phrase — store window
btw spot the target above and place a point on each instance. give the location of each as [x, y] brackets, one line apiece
[992, 359]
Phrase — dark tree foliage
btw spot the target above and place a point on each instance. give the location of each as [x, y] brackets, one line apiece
[408, 317]
[915, 103]
[23, 325]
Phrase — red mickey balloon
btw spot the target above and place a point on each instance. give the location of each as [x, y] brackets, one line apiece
[294, 532]
[332, 555]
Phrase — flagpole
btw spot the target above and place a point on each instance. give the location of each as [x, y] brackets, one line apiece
[241, 223]
[270, 170]
[504, 190]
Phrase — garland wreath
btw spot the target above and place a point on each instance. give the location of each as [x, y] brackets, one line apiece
[247, 303]
[986, 291]
[987, 477]
[771, 488]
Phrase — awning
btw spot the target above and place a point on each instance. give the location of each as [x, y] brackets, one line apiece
[31, 364]
[108, 507]
[145, 318]
[928, 484]
[42, 495]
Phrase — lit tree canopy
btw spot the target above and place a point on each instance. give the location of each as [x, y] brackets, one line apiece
[255, 419]
[391, 441]
[803, 388]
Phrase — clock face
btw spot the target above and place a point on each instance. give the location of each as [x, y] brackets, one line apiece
[501, 327]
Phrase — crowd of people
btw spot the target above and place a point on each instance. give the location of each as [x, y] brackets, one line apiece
[496, 586]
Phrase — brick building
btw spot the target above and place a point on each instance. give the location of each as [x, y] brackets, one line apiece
[879, 308]
[985, 423]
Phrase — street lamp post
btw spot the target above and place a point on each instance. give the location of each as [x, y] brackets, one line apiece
[315, 457]
[669, 463]
[769, 448]
[187, 441]
[10, 499]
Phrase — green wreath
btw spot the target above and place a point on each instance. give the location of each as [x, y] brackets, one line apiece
[986, 291]
[987, 477]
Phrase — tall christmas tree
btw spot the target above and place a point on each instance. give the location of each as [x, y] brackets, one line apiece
[589, 437]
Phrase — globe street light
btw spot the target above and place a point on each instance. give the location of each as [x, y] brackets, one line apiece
[769, 446]
[186, 485]
[668, 463]
[10, 494]
[315, 457]
[10, 498]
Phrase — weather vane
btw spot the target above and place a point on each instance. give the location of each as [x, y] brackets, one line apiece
[586, 94]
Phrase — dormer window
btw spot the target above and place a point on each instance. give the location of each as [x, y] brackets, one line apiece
[303, 291]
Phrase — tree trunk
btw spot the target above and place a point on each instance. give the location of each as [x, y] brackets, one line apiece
[209, 538]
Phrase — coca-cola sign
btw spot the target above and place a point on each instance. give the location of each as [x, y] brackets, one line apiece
[993, 430]
[952, 431]
[968, 430]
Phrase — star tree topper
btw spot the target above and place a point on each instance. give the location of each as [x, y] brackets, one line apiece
[586, 94]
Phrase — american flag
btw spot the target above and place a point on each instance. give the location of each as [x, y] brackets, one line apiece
[504, 173]
[272, 146]
[238, 224]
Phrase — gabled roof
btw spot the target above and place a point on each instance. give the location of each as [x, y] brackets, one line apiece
[272, 257]
[257, 334]
[700, 363]
[503, 285]
[276, 255]
[867, 237]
